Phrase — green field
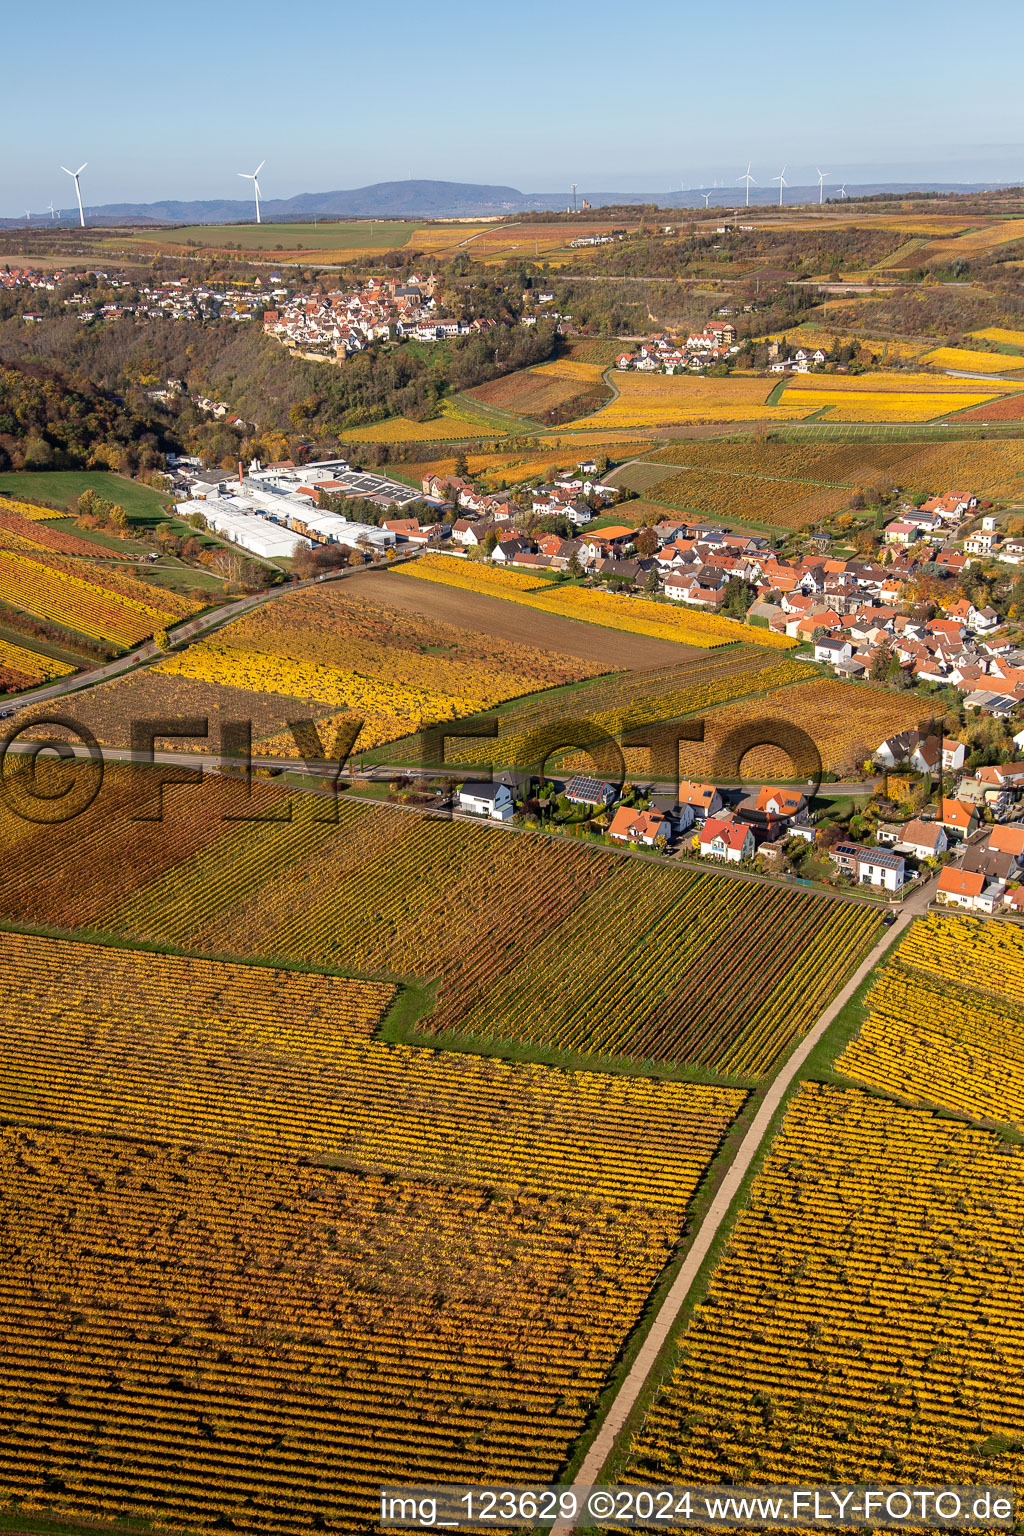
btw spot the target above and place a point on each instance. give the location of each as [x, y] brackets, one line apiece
[60, 487]
[349, 235]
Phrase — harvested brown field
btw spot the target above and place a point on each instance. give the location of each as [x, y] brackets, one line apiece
[614, 649]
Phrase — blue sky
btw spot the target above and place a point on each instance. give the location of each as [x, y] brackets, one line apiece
[173, 100]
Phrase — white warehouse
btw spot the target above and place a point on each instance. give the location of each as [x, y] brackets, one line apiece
[234, 518]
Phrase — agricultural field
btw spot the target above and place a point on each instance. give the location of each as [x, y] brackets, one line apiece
[737, 497]
[864, 1322]
[818, 334]
[989, 235]
[1003, 408]
[632, 615]
[1001, 337]
[23, 529]
[547, 239]
[845, 720]
[870, 397]
[971, 361]
[62, 487]
[791, 484]
[651, 400]
[382, 891]
[595, 349]
[277, 242]
[100, 604]
[529, 392]
[514, 463]
[457, 419]
[627, 700]
[281, 1243]
[944, 1022]
[332, 655]
[22, 668]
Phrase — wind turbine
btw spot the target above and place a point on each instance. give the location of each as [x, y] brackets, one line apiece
[53, 211]
[781, 179]
[707, 197]
[253, 176]
[74, 177]
[821, 184]
[748, 179]
[842, 190]
[28, 219]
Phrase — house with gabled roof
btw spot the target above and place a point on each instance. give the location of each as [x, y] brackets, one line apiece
[705, 799]
[582, 790]
[923, 839]
[968, 889]
[1008, 838]
[958, 818]
[732, 841]
[870, 866]
[645, 827]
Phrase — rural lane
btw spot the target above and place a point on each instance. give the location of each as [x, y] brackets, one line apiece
[626, 1397]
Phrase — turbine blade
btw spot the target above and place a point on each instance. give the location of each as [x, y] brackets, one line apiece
[259, 167]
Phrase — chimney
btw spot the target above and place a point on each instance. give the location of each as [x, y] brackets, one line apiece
[239, 471]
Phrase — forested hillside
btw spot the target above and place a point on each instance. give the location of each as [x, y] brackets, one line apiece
[263, 383]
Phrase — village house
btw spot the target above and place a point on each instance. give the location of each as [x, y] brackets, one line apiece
[968, 889]
[1008, 838]
[732, 841]
[586, 791]
[645, 827]
[492, 800]
[923, 839]
[871, 866]
[833, 649]
[958, 818]
[704, 799]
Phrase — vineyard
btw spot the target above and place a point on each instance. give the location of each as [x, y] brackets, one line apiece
[11, 506]
[333, 656]
[102, 605]
[944, 1022]
[728, 494]
[538, 456]
[549, 387]
[20, 668]
[20, 532]
[625, 701]
[697, 967]
[864, 1323]
[634, 615]
[1001, 337]
[789, 484]
[970, 361]
[457, 419]
[240, 1287]
[846, 721]
[665, 400]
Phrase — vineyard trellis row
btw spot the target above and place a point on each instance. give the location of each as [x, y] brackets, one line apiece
[944, 1021]
[864, 1321]
[256, 1262]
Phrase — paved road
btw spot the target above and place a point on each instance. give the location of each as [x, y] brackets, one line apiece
[629, 1392]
